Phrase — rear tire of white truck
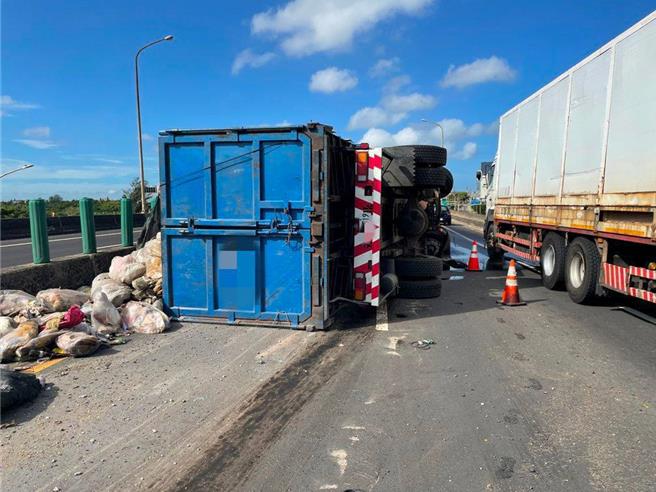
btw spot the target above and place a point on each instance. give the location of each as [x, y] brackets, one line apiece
[582, 266]
[552, 261]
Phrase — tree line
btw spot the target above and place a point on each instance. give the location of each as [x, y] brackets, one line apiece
[56, 206]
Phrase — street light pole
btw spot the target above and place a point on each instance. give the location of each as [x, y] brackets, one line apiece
[24, 166]
[437, 125]
[136, 81]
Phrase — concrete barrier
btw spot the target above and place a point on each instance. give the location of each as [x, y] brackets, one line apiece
[468, 218]
[69, 272]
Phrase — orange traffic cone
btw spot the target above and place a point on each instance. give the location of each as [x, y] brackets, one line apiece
[473, 265]
[510, 295]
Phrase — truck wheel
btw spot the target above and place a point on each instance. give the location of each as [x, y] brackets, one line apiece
[494, 253]
[424, 155]
[418, 267]
[420, 289]
[434, 177]
[582, 264]
[552, 260]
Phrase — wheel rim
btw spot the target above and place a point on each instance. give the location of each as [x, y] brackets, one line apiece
[577, 270]
[549, 261]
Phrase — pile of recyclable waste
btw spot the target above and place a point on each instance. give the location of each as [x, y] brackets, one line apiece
[65, 322]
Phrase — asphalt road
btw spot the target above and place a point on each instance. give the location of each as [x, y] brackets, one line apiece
[550, 396]
[19, 251]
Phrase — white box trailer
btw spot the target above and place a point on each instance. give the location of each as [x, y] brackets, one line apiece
[575, 177]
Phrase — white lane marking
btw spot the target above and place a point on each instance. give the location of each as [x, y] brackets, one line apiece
[462, 235]
[62, 239]
[340, 456]
[381, 318]
[328, 486]
[353, 427]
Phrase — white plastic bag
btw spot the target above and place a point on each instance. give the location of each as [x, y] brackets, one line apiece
[16, 338]
[116, 292]
[61, 299]
[13, 301]
[143, 318]
[105, 318]
[78, 344]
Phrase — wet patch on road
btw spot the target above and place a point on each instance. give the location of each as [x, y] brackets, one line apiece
[506, 468]
[534, 384]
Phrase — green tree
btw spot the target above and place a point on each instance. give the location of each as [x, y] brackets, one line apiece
[134, 193]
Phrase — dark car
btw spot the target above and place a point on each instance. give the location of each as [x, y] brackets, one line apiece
[445, 215]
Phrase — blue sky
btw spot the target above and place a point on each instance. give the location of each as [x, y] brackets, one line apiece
[372, 69]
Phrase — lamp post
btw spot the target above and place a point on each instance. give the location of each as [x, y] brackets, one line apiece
[136, 80]
[437, 125]
[24, 166]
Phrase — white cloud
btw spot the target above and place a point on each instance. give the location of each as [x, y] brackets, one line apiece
[36, 144]
[373, 116]
[393, 107]
[307, 26]
[455, 131]
[248, 58]
[332, 79]
[406, 103]
[8, 104]
[482, 70]
[385, 66]
[37, 132]
[466, 152]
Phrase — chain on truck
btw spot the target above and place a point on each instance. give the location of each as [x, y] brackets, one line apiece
[283, 226]
[574, 180]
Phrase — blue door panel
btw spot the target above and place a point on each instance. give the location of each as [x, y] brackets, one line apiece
[255, 182]
[187, 171]
[233, 181]
[187, 260]
[237, 274]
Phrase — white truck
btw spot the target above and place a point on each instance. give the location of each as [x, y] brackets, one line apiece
[575, 174]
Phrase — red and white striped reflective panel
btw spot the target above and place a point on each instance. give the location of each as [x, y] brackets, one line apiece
[642, 294]
[642, 272]
[616, 277]
[366, 254]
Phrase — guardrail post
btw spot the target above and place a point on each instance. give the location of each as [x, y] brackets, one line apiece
[88, 226]
[127, 226]
[39, 231]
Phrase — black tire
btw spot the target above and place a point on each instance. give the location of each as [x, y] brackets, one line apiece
[494, 253]
[418, 267]
[423, 155]
[434, 177]
[420, 289]
[553, 253]
[582, 284]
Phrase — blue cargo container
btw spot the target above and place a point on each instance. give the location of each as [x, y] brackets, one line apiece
[257, 224]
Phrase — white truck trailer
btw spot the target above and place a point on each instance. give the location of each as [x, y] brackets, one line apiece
[575, 176]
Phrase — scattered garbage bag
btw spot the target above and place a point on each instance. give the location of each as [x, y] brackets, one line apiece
[105, 318]
[61, 299]
[77, 344]
[151, 227]
[17, 388]
[16, 338]
[84, 327]
[125, 269]
[143, 318]
[59, 321]
[39, 346]
[87, 309]
[116, 292]
[6, 325]
[85, 289]
[13, 301]
[100, 278]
